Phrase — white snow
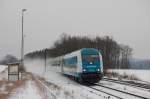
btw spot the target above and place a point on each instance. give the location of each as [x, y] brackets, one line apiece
[119, 94]
[64, 88]
[29, 91]
[3, 72]
[2, 68]
[68, 88]
[141, 74]
[136, 91]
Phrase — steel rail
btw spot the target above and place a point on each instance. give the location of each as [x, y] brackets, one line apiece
[105, 92]
[47, 88]
[144, 86]
[121, 91]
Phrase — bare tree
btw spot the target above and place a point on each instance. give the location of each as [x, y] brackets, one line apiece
[114, 54]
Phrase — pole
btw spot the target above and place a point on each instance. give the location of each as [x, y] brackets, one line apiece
[22, 41]
[45, 59]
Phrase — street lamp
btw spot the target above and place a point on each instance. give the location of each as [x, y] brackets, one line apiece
[22, 41]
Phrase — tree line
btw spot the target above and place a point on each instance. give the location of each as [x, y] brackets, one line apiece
[9, 59]
[114, 55]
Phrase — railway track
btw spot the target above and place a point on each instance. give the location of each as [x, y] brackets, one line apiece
[129, 83]
[48, 93]
[116, 93]
[104, 89]
[105, 92]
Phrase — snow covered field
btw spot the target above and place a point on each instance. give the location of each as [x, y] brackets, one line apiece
[140, 74]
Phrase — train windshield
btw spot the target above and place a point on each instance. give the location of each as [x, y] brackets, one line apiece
[90, 59]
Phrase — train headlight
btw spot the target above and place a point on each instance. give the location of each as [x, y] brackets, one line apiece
[84, 70]
[98, 70]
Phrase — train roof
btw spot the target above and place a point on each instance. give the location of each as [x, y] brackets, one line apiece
[83, 50]
[74, 53]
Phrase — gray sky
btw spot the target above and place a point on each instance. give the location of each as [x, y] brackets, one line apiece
[128, 21]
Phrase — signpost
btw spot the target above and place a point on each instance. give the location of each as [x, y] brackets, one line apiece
[13, 71]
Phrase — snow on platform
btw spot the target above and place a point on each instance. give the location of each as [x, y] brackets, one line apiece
[28, 91]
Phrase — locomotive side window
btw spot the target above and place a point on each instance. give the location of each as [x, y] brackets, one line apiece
[71, 61]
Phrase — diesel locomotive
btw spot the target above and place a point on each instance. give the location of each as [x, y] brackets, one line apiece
[84, 65]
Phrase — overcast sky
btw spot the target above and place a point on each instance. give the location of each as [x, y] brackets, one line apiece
[128, 21]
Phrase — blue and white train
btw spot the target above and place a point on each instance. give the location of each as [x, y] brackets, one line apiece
[84, 65]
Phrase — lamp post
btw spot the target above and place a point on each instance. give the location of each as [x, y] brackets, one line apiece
[45, 58]
[22, 41]
[45, 61]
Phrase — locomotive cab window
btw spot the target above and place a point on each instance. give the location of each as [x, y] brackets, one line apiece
[91, 59]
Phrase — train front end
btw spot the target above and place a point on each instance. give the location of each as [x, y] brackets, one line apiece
[92, 65]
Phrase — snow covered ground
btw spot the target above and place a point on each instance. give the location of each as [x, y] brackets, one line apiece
[136, 91]
[61, 86]
[2, 68]
[140, 74]
[64, 88]
[27, 91]
[3, 72]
